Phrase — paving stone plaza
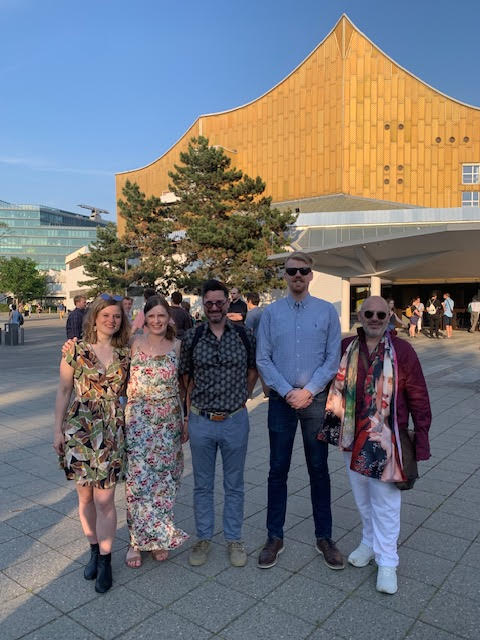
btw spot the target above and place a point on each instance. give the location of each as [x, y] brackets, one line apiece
[42, 549]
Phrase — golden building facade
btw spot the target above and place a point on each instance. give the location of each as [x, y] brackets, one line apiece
[348, 120]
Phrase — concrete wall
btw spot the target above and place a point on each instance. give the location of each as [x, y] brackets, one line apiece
[74, 274]
[327, 287]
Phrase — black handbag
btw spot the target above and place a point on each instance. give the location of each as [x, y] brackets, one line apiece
[409, 459]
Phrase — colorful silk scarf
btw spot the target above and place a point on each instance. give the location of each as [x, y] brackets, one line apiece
[373, 439]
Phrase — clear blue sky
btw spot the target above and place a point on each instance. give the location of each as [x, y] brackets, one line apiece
[94, 87]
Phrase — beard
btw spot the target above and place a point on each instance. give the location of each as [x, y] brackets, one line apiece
[374, 332]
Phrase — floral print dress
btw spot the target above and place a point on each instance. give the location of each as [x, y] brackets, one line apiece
[153, 422]
[94, 439]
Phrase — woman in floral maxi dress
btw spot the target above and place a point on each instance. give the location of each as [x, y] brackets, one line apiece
[89, 435]
[154, 435]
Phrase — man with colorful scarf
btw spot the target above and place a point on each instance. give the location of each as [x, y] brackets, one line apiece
[378, 384]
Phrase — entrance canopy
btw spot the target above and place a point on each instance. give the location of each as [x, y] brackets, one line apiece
[398, 245]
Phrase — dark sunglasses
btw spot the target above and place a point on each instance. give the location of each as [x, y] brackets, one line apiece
[381, 315]
[292, 271]
[214, 303]
[108, 296]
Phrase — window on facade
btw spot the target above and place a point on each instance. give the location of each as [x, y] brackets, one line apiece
[471, 173]
[470, 199]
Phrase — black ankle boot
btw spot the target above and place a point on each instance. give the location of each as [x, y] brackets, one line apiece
[90, 571]
[104, 573]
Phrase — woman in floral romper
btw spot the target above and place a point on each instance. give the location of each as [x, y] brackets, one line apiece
[154, 433]
[89, 436]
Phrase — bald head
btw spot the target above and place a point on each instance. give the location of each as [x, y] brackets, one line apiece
[374, 303]
[374, 316]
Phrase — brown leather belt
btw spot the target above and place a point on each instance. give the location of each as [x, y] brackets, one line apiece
[215, 416]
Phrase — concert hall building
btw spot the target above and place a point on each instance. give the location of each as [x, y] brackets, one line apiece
[383, 170]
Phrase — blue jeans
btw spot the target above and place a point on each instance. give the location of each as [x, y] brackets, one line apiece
[282, 425]
[231, 437]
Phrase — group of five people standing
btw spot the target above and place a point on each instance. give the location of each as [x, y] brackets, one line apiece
[297, 355]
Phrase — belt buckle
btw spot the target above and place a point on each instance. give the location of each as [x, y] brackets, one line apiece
[217, 416]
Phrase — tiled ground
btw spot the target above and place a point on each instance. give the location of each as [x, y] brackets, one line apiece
[43, 594]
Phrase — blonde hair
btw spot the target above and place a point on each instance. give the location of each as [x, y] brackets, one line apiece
[301, 257]
[120, 338]
[159, 300]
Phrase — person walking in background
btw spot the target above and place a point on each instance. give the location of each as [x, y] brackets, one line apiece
[217, 362]
[154, 432]
[89, 436]
[474, 308]
[253, 322]
[254, 313]
[181, 318]
[448, 305]
[185, 304]
[393, 320]
[378, 384]
[420, 308]
[237, 309]
[139, 320]
[435, 313]
[26, 308]
[127, 304]
[15, 316]
[297, 355]
[61, 310]
[74, 326]
[413, 316]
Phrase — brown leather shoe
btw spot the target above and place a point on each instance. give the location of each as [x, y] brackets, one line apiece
[331, 554]
[270, 552]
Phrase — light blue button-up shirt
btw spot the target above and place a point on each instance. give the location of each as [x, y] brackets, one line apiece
[298, 344]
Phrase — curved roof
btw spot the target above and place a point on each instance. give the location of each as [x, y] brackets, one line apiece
[347, 120]
[246, 104]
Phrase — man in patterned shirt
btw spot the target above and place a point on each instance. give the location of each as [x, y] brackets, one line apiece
[217, 362]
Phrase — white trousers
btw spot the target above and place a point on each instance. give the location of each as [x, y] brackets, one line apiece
[379, 504]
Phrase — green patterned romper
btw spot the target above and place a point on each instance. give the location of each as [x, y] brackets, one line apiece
[94, 437]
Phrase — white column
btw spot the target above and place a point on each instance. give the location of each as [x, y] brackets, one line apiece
[375, 286]
[345, 306]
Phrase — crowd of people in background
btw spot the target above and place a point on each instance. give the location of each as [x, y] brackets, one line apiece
[436, 315]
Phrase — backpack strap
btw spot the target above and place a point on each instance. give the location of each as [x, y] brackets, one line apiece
[240, 329]
[199, 331]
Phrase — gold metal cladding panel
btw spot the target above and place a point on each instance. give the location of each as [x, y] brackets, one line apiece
[410, 118]
[348, 120]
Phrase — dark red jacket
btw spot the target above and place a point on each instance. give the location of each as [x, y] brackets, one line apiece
[412, 390]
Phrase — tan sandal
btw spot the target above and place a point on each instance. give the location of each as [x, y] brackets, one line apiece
[133, 559]
[160, 555]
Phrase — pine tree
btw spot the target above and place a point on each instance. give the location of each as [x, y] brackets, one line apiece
[106, 264]
[231, 228]
[150, 232]
[20, 277]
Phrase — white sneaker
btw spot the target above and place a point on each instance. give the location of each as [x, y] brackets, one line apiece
[387, 580]
[361, 556]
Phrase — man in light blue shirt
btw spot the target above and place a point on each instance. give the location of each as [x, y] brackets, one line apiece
[298, 352]
[448, 305]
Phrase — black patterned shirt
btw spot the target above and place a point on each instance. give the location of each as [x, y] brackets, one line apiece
[219, 367]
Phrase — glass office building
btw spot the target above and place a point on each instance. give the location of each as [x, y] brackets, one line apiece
[44, 234]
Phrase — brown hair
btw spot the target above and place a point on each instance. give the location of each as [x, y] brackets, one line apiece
[154, 301]
[78, 298]
[121, 337]
[301, 257]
